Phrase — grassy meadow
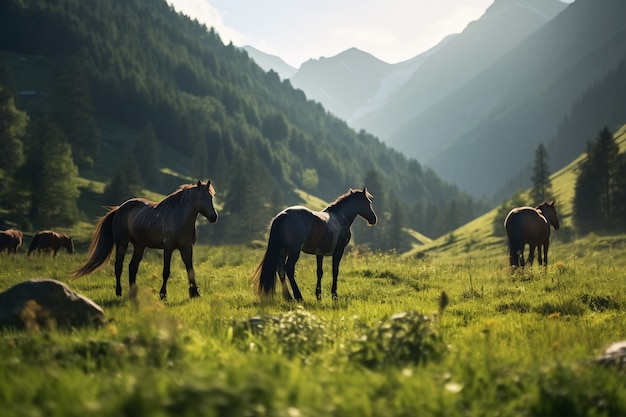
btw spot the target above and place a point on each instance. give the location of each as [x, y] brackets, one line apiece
[507, 344]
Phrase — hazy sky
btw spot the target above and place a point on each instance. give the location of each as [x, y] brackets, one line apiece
[297, 30]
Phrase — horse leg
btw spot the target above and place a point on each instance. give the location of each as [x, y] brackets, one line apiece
[281, 274]
[290, 269]
[545, 253]
[133, 267]
[336, 259]
[320, 272]
[120, 252]
[531, 255]
[187, 254]
[167, 259]
[539, 254]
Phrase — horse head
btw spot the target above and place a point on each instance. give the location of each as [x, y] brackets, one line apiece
[205, 193]
[69, 244]
[549, 211]
[366, 211]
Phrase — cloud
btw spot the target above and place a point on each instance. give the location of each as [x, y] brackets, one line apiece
[205, 13]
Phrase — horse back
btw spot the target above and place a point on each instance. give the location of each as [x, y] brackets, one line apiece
[319, 229]
[528, 224]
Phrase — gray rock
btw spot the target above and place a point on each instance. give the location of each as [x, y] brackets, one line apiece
[614, 354]
[47, 304]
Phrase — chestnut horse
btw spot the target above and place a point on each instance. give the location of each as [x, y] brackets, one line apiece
[47, 240]
[320, 233]
[11, 240]
[169, 224]
[528, 225]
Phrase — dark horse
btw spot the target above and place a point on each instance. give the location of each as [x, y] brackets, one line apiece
[527, 225]
[169, 224]
[50, 241]
[320, 233]
[11, 240]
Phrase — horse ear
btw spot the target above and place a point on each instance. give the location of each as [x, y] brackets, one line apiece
[199, 183]
[551, 203]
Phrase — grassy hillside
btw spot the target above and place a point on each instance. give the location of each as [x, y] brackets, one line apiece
[477, 235]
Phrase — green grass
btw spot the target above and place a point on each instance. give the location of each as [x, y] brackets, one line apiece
[507, 344]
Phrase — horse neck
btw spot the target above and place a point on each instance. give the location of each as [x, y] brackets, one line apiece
[345, 210]
[189, 215]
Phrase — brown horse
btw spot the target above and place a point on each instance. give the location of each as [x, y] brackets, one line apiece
[320, 233]
[47, 240]
[169, 224]
[11, 240]
[527, 225]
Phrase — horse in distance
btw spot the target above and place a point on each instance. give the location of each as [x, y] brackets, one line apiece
[528, 225]
[321, 233]
[51, 241]
[169, 225]
[11, 240]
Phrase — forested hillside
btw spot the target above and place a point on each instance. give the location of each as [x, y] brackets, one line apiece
[169, 87]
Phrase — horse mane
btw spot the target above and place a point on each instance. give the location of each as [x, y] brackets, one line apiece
[180, 195]
[342, 197]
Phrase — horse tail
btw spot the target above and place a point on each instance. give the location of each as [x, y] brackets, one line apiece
[100, 248]
[34, 244]
[516, 240]
[265, 275]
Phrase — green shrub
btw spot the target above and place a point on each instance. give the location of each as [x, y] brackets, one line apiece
[295, 333]
[405, 339]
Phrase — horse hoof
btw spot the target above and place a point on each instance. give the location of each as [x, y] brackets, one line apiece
[193, 292]
[335, 298]
[163, 296]
[319, 297]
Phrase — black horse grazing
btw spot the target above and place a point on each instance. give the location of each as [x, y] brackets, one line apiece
[47, 240]
[169, 224]
[11, 240]
[320, 233]
[527, 225]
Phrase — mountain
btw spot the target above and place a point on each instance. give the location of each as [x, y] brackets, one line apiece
[270, 62]
[350, 83]
[488, 129]
[204, 107]
[484, 41]
[374, 95]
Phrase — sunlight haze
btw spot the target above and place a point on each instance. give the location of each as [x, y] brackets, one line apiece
[393, 31]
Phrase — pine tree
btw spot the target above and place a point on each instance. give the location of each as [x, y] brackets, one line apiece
[13, 123]
[146, 154]
[200, 160]
[542, 185]
[253, 197]
[73, 112]
[126, 182]
[597, 185]
[56, 192]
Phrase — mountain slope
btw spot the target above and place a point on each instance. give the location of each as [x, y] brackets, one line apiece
[270, 62]
[483, 42]
[489, 128]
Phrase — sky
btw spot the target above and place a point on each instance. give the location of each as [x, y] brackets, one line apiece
[299, 30]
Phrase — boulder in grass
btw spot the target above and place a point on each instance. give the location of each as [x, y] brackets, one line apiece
[47, 304]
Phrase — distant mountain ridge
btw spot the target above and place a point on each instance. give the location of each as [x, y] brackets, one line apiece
[477, 106]
[270, 62]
